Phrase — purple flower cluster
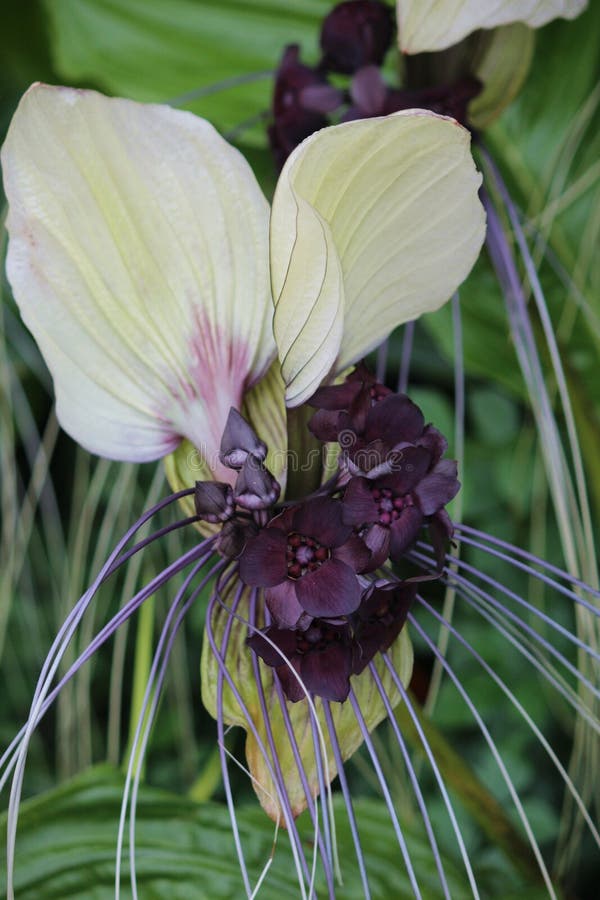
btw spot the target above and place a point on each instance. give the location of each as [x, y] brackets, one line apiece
[321, 658]
[355, 38]
[329, 610]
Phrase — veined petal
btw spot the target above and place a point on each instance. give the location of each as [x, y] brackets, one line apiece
[374, 222]
[425, 25]
[138, 256]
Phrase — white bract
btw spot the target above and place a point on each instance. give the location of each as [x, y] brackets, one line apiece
[426, 25]
[139, 257]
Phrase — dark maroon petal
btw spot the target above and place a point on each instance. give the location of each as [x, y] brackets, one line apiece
[377, 539]
[292, 122]
[336, 396]
[354, 553]
[327, 673]
[438, 488]
[380, 619]
[321, 519]
[435, 442]
[368, 90]
[324, 424]
[234, 536]
[359, 408]
[356, 33]
[333, 590]
[440, 532]
[404, 531]
[321, 98]
[282, 603]
[358, 505]
[284, 522]
[289, 683]
[369, 458]
[263, 562]
[409, 466]
[394, 420]
[283, 638]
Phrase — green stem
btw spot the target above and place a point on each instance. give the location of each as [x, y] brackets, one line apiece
[209, 780]
[141, 672]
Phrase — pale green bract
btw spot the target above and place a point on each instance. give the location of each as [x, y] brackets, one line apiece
[139, 256]
[428, 25]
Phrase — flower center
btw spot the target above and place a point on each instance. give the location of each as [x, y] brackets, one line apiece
[304, 554]
[389, 504]
[317, 638]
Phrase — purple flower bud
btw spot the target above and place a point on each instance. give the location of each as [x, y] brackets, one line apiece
[239, 439]
[213, 501]
[355, 34]
[255, 487]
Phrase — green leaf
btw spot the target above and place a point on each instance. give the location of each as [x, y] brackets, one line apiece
[164, 49]
[67, 839]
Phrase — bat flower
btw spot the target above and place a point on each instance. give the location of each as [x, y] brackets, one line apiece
[164, 293]
[390, 511]
[318, 660]
[302, 98]
[321, 658]
[379, 620]
[307, 559]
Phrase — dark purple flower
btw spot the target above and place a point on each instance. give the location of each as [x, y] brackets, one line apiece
[301, 100]
[389, 511]
[355, 34]
[307, 559]
[322, 656]
[379, 620]
[344, 407]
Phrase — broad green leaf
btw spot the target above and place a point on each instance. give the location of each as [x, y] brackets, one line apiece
[239, 663]
[425, 25]
[138, 256]
[67, 840]
[386, 231]
[165, 50]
